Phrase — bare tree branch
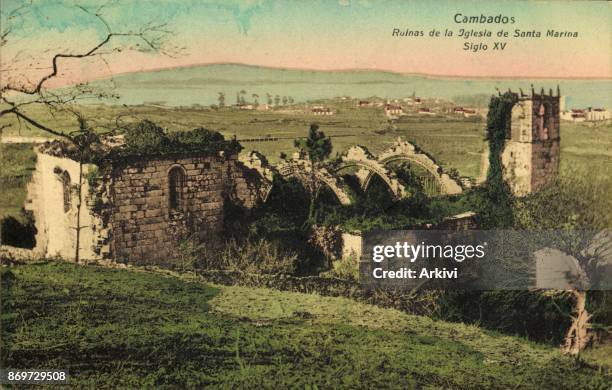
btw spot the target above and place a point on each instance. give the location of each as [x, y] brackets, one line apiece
[150, 36]
[40, 125]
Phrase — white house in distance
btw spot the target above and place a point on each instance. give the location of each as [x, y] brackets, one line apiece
[573, 115]
[597, 114]
[425, 111]
[413, 101]
[468, 112]
[589, 114]
[393, 110]
[319, 110]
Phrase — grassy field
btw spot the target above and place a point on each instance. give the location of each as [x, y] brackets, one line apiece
[17, 162]
[454, 141]
[122, 328]
[350, 126]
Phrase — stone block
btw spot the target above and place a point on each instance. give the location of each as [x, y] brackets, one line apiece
[153, 213]
[128, 208]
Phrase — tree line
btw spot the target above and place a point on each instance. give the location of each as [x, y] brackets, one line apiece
[241, 98]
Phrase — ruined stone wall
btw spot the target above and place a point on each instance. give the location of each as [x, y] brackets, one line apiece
[352, 242]
[517, 162]
[146, 229]
[531, 154]
[55, 225]
[545, 163]
[546, 145]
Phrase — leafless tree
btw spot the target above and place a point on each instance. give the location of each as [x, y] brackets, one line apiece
[590, 249]
[18, 90]
[26, 79]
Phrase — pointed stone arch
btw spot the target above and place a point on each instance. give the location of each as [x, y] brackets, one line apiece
[258, 175]
[301, 169]
[405, 151]
[360, 157]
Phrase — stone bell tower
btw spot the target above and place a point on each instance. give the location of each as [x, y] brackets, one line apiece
[531, 154]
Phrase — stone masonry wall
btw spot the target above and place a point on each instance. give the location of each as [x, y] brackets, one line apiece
[531, 154]
[545, 163]
[145, 228]
[545, 152]
[56, 226]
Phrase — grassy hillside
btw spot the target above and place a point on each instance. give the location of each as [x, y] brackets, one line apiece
[133, 329]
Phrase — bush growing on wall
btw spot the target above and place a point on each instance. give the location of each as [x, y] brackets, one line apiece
[148, 139]
[145, 137]
[494, 202]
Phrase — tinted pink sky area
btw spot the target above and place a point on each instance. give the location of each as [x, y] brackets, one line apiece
[331, 35]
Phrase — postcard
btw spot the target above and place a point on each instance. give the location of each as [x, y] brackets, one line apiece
[305, 194]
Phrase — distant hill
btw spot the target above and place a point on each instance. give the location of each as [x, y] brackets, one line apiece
[201, 85]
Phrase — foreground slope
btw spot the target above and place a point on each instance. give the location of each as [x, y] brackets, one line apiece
[133, 329]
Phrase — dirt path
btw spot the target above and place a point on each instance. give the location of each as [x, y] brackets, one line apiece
[23, 140]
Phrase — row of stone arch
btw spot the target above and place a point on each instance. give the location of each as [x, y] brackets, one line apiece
[358, 157]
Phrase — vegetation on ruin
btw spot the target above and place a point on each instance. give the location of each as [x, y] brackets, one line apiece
[124, 328]
[497, 197]
[146, 139]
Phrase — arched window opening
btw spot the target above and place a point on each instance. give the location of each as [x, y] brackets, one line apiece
[65, 179]
[176, 182]
[544, 121]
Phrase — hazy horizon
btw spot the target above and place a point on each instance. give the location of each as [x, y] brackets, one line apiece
[200, 85]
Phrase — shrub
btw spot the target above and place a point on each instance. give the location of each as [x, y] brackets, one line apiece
[345, 268]
[327, 240]
[188, 253]
[145, 137]
[251, 256]
[17, 233]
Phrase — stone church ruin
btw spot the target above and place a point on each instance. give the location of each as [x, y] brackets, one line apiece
[137, 207]
[530, 157]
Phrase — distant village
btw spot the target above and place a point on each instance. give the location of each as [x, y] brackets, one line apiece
[410, 106]
[392, 108]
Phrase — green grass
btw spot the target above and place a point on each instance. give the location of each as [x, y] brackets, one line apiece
[350, 126]
[17, 162]
[601, 355]
[122, 328]
[587, 150]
